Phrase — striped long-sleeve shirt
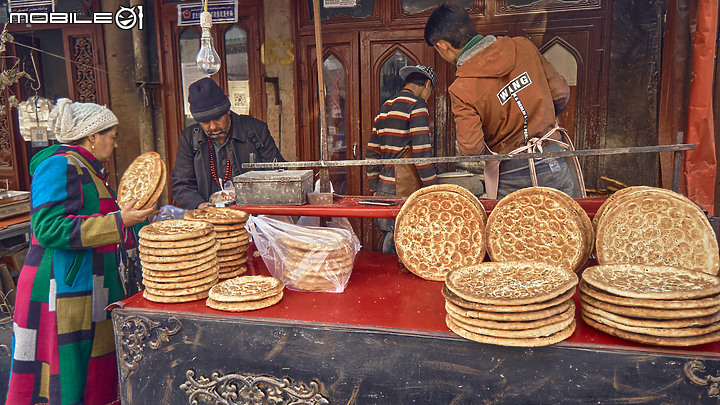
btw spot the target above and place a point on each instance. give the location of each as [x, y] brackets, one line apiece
[401, 122]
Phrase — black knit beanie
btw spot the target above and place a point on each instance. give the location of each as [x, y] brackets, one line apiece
[207, 100]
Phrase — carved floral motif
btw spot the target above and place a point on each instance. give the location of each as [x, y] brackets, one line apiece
[694, 366]
[236, 388]
[137, 332]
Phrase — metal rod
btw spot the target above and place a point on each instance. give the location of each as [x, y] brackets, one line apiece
[475, 158]
[324, 150]
[677, 163]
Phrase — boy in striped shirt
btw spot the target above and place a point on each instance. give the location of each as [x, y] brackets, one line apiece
[401, 129]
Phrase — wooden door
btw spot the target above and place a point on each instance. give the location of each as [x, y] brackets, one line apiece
[383, 53]
[241, 71]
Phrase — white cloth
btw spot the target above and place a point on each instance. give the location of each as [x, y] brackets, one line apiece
[73, 121]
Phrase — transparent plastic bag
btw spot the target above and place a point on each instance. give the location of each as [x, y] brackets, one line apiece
[305, 258]
[224, 197]
[168, 212]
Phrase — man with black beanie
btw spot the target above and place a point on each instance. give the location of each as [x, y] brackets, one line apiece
[210, 152]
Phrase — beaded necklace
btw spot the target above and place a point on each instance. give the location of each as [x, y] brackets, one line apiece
[213, 170]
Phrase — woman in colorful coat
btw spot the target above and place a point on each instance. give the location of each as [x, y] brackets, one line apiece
[63, 341]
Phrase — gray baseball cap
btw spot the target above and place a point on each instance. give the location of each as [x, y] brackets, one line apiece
[422, 69]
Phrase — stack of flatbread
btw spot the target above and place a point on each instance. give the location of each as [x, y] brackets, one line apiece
[658, 305]
[440, 228]
[229, 225]
[511, 303]
[178, 258]
[245, 293]
[540, 224]
[646, 225]
[143, 179]
[316, 259]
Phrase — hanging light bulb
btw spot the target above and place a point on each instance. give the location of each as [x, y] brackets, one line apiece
[207, 59]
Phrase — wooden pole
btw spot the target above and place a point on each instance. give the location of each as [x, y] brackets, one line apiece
[324, 153]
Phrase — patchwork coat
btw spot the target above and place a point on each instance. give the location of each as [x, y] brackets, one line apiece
[63, 340]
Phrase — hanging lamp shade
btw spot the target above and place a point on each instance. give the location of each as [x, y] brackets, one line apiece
[34, 113]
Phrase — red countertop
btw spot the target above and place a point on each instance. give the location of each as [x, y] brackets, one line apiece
[381, 296]
[349, 206]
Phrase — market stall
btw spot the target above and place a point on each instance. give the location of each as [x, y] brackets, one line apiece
[382, 340]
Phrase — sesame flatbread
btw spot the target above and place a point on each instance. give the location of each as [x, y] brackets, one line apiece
[175, 251]
[653, 340]
[246, 288]
[651, 282]
[516, 282]
[538, 332]
[175, 229]
[539, 224]
[711, 301]
[649, 313]
[141, 180]
[655, 226]
[525, 316]
[174, 299]
[438, 229]
[244, 305]
[170, 244]
[218, 215]
[512, 309]
[652, 323]
[505, 341]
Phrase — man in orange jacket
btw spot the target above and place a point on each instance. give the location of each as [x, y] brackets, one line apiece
[505, 99]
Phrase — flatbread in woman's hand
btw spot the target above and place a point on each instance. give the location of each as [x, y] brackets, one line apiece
[144, 179]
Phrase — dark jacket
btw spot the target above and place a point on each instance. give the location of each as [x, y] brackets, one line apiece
[486, 114]
[191, 180]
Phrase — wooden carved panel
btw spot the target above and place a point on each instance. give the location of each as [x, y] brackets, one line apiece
[6, 153]
[83, 70]
[530, 6]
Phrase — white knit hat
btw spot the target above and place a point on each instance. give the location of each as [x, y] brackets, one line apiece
[73, 121]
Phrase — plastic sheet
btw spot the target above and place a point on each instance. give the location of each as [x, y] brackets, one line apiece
[168, 212]
[305, 258]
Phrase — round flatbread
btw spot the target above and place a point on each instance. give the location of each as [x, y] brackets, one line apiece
[174, 299]
[504, 341]
[244, 305]
[655, 226]
[232, 273]
[649, 313]
[651, 282]
[189, 265]
[209, 252]
[175, 251]
[518, 283]
[512, 309]
[169, 277]
[170, 244]
[652, 323]
[175, 229]
[653, 340]
[593, 292]
[141, 180]
[167, 292]
[539, 332]
[217, 215]
[439, 228]
[511, 317]
[539, 224]
[516, 324]
[246, 288]
[178, 284]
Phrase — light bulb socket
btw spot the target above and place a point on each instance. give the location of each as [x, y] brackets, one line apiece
[205, 20]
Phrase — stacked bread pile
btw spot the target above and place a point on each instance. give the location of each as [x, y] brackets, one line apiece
[144, 179]
[658, 305]
[511, 303]
[178, 259]
[245, 293]
[440, 228]
[229, 226]
[654, 226]
[540, 224]
[315, 259]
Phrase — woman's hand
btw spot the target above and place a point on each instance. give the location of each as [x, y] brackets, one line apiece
[131, 216]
